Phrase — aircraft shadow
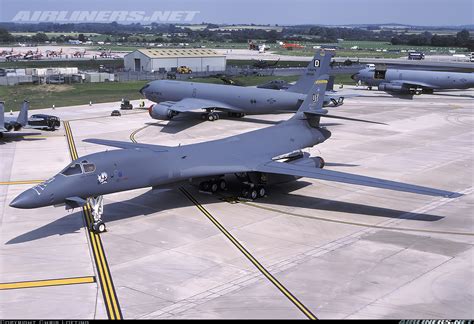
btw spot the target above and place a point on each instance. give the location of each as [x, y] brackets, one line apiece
[9, 138]
[154, 202]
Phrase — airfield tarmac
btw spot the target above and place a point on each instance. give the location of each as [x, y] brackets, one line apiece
[309, 249]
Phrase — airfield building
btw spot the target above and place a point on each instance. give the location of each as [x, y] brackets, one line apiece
[170, 59]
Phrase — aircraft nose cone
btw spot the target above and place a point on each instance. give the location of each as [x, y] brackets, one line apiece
[142, 90]
[26, 199]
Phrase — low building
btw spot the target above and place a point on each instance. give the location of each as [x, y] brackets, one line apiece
[169, 59]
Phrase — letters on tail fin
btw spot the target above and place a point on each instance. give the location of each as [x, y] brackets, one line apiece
[318, 66]
[314, 103]
[23, 115]
[315, 98]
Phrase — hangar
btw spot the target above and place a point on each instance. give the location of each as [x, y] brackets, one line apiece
[152, 60]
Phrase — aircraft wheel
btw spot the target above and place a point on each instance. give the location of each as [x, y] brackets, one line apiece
[261, 191]
[253, 194]
[214, 187]
[204, 116]
[99, 227]
[205, 186]
[210, 117]
[222, 184]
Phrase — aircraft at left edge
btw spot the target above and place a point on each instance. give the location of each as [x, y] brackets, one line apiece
[8, 123]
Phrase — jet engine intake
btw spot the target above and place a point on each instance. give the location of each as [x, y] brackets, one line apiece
[161, 111]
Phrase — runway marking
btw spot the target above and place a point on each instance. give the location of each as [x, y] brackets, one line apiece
[132, 135]
[47, 283]
[105, 278]
[20, 182]
[42, 136]
[251, 258]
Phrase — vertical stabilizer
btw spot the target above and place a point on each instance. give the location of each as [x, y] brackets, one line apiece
[23, 115]
[318, 66]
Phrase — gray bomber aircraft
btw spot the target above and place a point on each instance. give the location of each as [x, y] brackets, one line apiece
[259, 158]
[413, 81]
[8, 123]
[176, 97]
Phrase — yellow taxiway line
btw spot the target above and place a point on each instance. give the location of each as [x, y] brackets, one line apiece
[47, 283]
[20, 182]
[251, 258]
[105, 278]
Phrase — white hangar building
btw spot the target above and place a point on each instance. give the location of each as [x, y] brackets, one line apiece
[153, 60]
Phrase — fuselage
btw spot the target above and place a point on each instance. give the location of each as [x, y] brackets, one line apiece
[427, 79]
[248, 100]
[125, 169]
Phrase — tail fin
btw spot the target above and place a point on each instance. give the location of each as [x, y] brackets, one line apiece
[23, 115]
[315, 98]
[2, 117]
[318, 66]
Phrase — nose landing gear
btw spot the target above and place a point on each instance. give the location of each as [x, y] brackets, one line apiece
[97, 208]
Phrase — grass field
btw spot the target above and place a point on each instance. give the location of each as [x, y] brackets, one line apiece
[47, 95]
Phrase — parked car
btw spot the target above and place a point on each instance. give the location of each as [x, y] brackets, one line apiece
[42, 121]
[116, 113]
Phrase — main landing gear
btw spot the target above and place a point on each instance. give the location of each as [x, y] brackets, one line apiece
[213, 185]
[211, 116]
[253, 191]
[97, 206]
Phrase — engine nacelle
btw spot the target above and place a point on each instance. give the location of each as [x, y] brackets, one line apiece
[306, 160]
[161, 111]
[392, 87]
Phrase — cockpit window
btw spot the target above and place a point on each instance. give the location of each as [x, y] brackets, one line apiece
[89, 167]
[73, 169]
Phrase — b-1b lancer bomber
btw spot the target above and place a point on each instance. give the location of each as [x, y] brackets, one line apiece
[177, 97]
[413, 81]
[259, 158]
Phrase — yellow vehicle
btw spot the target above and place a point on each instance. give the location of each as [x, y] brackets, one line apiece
[183, 70]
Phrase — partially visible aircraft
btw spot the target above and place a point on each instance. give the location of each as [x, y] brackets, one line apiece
[275, 85]
[30, 55]
[8, 123]
[413, 81]
[263, 64]
[290, 46]
[79, 53]
[258, 158]
[54, 53]
[177, 97]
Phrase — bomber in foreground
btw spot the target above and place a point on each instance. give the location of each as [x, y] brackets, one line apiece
[258, 158]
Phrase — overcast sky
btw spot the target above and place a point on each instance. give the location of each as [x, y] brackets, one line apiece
[289, 12]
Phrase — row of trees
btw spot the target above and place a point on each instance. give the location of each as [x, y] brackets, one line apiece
[134, 32]
[461, 39]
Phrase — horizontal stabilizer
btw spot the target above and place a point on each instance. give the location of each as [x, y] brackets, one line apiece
[337, 176]
[127, 145]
